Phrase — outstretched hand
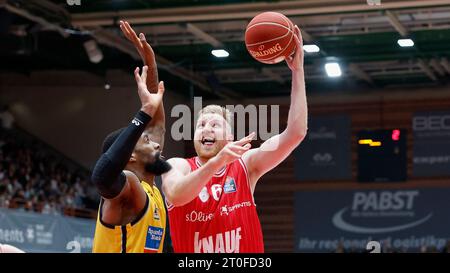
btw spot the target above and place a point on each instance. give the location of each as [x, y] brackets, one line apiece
[145, 51]
[143, 47]
[295, 62]
[234, 150]
[150, 101]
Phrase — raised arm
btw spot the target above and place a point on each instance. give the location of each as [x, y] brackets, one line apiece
[118, 187]
[276, 149]
[157, 127]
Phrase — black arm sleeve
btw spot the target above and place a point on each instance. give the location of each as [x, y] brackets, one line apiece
[108, 174]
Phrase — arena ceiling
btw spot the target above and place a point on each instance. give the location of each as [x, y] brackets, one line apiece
[362, 38]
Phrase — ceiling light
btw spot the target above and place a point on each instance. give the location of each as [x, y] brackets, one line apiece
[333, 70]
[220, 53]
[405, 42]
[311, 48]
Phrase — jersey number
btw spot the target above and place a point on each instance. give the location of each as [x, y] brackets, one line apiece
[216, 190]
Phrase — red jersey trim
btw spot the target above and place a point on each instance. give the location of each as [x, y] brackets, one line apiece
[168, 204]
[220, 173]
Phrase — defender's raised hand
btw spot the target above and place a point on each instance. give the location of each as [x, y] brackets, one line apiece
[150, 101]
[145, 51]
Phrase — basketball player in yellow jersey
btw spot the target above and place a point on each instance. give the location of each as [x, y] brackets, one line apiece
[132, 217]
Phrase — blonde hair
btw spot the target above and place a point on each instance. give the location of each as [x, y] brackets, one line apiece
[217, 109]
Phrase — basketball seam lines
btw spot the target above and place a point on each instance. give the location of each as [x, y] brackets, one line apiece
[273, 23]
[284, 35]
[272, 57]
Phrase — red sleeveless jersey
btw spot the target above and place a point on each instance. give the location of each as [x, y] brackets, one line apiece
[221, 219]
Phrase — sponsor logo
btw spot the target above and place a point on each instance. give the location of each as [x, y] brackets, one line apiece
[225, 242]
[230, 185]
[262, 53]
[153, 240]
[30, 234]
[379, 205]
[320, 158]
[322, 133]
[13, 236]
[431, 160]
[225, 210]
[35, 234]
[136, 122]
[156, 214]
[198, 216]
[431, 123]
[42, 237]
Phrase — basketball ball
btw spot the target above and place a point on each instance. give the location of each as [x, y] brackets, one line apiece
[269, 37]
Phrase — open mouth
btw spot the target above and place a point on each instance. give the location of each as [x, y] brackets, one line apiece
[208, 141]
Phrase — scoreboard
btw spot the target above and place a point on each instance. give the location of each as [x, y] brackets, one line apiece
[382, 155]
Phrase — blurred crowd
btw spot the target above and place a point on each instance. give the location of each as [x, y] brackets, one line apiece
[33, 180]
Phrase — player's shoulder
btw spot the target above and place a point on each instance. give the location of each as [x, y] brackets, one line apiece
[177, 160]
[179, 163]
[131, 177]
[248, 157]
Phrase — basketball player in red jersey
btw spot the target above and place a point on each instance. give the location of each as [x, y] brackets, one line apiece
[210, 197]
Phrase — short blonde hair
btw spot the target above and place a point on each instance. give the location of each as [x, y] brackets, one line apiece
[217, 109]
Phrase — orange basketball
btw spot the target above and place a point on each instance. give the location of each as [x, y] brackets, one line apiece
[269, 37]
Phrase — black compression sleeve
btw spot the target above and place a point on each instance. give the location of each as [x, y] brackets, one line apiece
[107, 174]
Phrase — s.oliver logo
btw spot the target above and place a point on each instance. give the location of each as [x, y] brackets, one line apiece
[398, 205]
[198, 216]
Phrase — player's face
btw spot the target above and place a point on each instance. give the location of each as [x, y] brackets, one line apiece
[212, 133]
[148, 152]
[146, 149]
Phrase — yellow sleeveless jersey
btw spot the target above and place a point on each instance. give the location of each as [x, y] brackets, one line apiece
[143, 235]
